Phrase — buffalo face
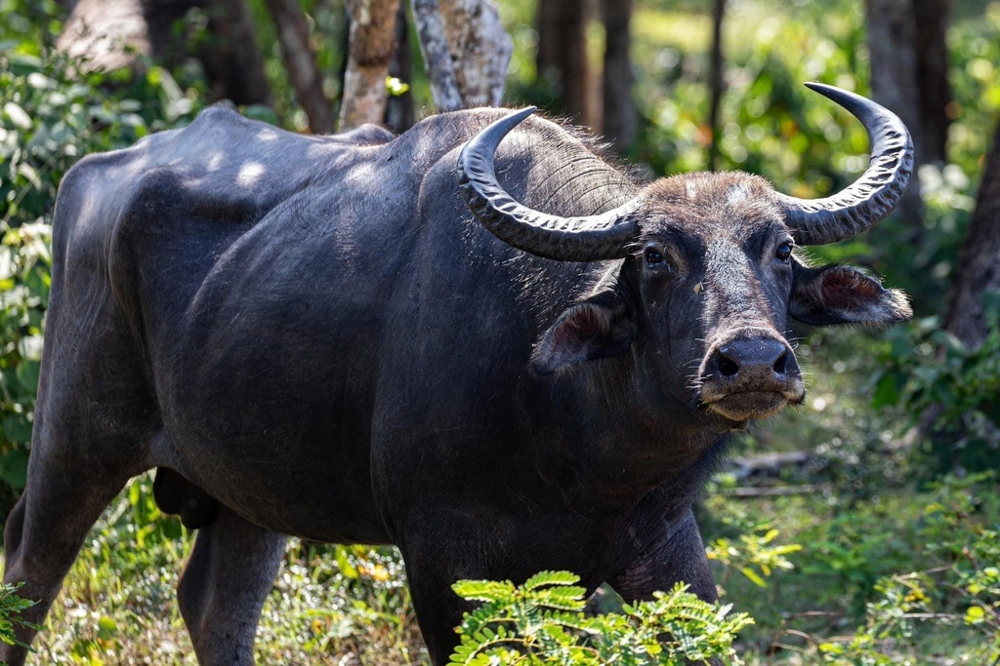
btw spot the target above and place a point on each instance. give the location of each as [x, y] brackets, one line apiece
[714, 263]
[717, 282]
[709, 278]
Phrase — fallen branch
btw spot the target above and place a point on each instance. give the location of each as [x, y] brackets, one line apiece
[778, 491]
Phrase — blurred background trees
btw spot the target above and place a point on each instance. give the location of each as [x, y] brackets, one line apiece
[884, 470]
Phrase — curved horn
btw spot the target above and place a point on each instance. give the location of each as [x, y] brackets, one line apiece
[592, 238]
[873, 195]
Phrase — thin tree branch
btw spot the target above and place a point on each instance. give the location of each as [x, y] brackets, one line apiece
[300, 61]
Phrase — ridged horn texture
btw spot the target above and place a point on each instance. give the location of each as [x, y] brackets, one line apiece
[872, 196]
[592, 238]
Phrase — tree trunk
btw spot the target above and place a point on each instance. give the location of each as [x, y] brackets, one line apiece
[300, 61]
[108, 34]
[466, 51]
[932, 17]
[978, 273]
[113, 33]
[373, 30]
[892, 44]
[437, 55]
[979, 261]
[619, 108]
[399, 113]
[909, 67]
[480, 49]
[232, 60]
[563, 61]
[715, 82]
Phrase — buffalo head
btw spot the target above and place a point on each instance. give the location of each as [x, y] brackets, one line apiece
[708, 276]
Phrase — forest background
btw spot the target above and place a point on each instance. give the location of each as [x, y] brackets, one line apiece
[862, 528]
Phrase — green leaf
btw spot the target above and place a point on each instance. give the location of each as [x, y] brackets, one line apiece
[346, 568]
[17, 428]
[888, 390]
[395, 86]
[752, 575]
[14, 468]
[27, 374]
[106, 627]
[975, 615]
[550, 578]
[949, 342]
[17, 116]
[483, 590]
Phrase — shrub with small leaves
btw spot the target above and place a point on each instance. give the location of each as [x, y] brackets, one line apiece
[11, 607]
[51, 114]
[755, 555]
[927, 370]
[960, 586]
[542, 622]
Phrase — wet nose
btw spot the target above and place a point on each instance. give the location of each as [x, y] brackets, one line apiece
[758, 358]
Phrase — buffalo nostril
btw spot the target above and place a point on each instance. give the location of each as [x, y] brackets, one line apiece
[780, 364]
[727, 367]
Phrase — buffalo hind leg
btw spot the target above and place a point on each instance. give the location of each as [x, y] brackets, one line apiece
[227, 578]
[44, 533]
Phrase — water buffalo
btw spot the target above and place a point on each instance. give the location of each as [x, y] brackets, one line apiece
[500, 357]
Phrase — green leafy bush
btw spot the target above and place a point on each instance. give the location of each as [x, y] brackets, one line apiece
[542, 622]
[957, 587]
[11, 607]
[51, 114]
[930, 373]
[753, 554]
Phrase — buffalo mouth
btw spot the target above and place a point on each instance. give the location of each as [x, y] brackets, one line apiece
[751, 373]
[743, 406]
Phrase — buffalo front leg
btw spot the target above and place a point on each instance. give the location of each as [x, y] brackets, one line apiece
[435, 559]
[227, 578]
[679, 557]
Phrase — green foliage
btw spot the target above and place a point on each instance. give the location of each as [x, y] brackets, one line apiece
[755, 555]
[542, 622]
[915, 573]
[926, 370]
[51, 114]
[11, 608]
[958, 586]
[339, 599]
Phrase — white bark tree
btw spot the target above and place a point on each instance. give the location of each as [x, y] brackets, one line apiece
[466, 51]
[372, 42]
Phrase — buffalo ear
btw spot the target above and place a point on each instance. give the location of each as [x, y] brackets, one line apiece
[598, 327]
[844, 295]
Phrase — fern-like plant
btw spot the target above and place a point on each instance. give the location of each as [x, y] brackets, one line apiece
[11, 607]
[542, 622]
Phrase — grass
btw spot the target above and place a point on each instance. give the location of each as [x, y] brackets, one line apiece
[329, 603]
[118, 604]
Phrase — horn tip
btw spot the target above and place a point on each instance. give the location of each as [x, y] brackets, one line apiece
[844, 98]
[521, 114]
[826, 90]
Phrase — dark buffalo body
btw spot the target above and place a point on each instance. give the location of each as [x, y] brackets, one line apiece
[314, 336]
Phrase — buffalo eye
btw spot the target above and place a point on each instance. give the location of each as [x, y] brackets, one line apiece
[654, 258]
[784, 252]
